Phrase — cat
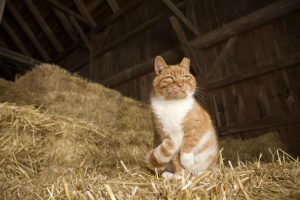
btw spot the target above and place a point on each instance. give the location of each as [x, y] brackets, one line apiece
[185, 137]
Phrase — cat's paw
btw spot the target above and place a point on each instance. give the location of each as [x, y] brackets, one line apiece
[187, 160]
[153, 164]
[169, 175]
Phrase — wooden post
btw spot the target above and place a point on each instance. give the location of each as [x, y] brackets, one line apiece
[2, 5]
[28, 31]
[223, 55]
[44, 26]
[180, 16]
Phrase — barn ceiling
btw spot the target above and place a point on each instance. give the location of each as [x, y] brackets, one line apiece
[46, 30]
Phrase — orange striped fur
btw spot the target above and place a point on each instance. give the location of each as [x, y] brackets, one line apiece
[184, 134]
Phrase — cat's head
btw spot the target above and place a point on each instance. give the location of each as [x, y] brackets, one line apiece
[173, 81]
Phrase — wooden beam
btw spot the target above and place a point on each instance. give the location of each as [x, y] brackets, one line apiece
[18, 58]
[247, 22]
[274, 11]
[270, 122]
[28, 31]
[68, 11]
[94, 4]
[180, 16]
[44, 26]
[188, 51]
[80, 32]
[84, 12]
[129, 35]
[142, 68]
[120, 13]
[222, 56]
[66, 24]
[190, 11]
[2, 5]
[15, 38]
[113, 5]
[253, 72]
[132, 33]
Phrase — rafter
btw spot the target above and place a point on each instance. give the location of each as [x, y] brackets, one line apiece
[187, 49]
[113, 5]
[2, 5]
[172, 7]
[17, 57]
[68, 11]
[65, 22]
[14, 37]
[44, 26]
[85, 13]
[80, 32]
[28, 31]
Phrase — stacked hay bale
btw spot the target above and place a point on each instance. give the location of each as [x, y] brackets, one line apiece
[125, 124]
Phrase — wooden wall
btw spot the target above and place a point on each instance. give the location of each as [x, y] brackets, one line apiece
[257, 87]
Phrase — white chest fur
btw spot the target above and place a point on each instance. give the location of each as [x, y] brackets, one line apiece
[171, 115]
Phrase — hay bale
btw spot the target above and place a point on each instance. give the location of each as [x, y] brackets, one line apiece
[61, 93]
[250, 149]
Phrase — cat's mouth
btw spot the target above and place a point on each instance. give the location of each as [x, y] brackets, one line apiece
[178, 94]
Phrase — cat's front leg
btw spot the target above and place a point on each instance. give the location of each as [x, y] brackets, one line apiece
[161, 155]
[186, 151]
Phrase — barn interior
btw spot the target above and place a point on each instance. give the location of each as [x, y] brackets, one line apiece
[76, 78]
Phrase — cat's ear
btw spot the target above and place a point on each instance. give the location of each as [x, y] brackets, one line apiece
[159, 64]
[185, 63]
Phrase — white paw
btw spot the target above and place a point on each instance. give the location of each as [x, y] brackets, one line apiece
[169, 175]
[187, 160]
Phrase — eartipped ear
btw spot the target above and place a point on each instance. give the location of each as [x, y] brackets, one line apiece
[185, 63]
[159, 64]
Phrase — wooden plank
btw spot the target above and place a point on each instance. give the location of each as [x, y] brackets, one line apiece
[28, 31]
[247, 23]
[142, 68]
[113, 5]
[254, 72]
[15, 38]
[180, 16]
[2, 6]
[83, 10]
[17, 57]
[66, 24]
[129, 35]
[132, 33]
[94, 4]
[190, 11]
[270, 122]
[120, 13]
[222, 56]
[236, 27]
[44, 26]
[68, 11]
[188, 51]
[80, 32]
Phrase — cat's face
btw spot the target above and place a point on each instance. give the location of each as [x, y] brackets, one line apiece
[173, 81]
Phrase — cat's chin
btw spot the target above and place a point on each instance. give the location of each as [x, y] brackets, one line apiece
[179, 96]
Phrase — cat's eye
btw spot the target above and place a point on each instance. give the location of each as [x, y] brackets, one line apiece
[186, 77]
[169, 78]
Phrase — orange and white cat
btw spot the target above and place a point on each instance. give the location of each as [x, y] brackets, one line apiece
[185, 137]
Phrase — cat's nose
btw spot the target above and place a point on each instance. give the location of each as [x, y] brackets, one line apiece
[180, 84]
